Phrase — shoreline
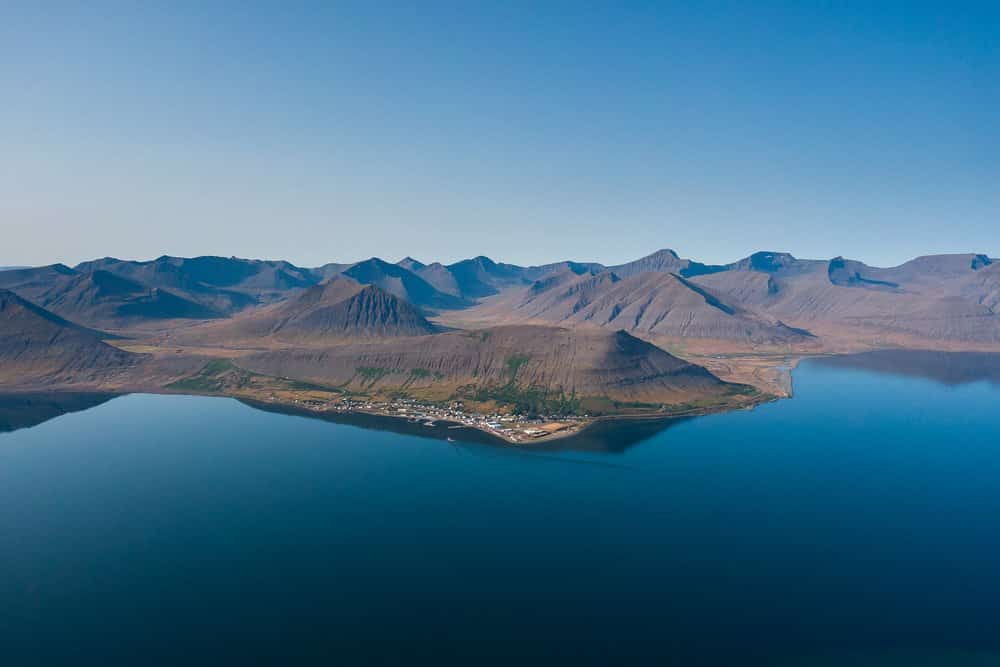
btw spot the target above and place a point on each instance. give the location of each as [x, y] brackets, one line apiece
[495, 422]
[580, 425]
[575, 425]
[498, 428]
[512, 430]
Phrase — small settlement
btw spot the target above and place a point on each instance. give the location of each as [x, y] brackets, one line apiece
[515, 429]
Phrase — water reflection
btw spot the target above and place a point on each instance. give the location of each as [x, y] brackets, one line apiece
[612, 436]
[606, 437]
[25, 410]
[852, 525]
[948, 368]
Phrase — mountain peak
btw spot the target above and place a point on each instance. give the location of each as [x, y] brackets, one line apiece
[664, 260]
[342, 307]
[767, 261]
[374, 260]
[402, 283]
[411, 264]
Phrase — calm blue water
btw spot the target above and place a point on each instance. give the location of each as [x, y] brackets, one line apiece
[856, 524]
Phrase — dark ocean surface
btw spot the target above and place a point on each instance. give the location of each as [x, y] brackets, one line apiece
[855, 524]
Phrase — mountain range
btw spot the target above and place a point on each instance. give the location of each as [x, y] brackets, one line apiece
[765, 298]
[578, 328]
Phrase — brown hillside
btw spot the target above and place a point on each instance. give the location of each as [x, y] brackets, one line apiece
[586, 362]
[37, 346]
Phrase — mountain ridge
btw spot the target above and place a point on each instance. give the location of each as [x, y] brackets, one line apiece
[767, 297]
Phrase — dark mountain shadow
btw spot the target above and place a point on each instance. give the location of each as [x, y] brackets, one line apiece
[19, 411]
[948, 368]
[612, 436]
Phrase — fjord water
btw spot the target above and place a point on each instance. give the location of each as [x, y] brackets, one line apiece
[856, 524]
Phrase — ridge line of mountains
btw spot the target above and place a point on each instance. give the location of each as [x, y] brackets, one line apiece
[765, 298]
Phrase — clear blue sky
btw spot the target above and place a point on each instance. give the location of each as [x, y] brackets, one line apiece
[529, 132]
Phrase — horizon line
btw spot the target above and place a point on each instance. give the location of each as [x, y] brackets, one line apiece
[16, 266]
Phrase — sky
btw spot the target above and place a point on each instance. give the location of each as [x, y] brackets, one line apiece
[529, 132]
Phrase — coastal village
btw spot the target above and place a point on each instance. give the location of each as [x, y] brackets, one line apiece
[515, 429]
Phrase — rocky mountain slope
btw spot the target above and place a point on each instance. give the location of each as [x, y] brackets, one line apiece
[224, 284]
[481, 276]
[31, 283]
[40, 346]
[551, 361]
[663, 261]
[651, 304]
[103, 299]
[943, 298]
[335, 310]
